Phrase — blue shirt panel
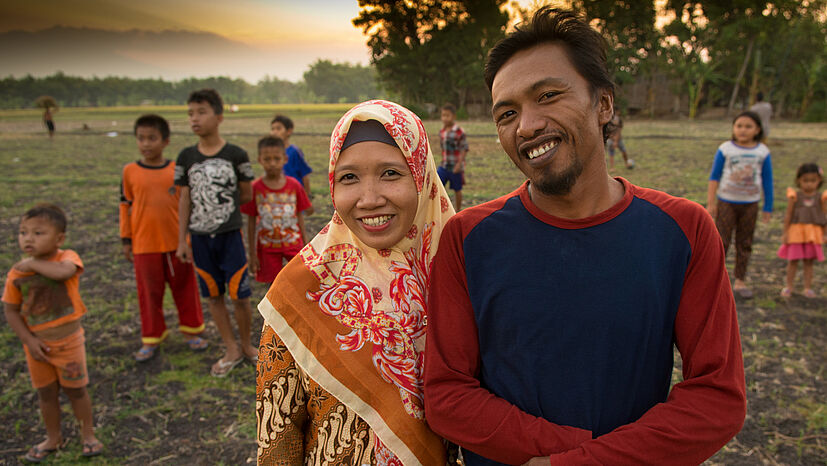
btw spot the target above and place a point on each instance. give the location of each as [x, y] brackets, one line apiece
[296, 166]
[576, 326]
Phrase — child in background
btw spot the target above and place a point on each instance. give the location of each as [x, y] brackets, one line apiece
[149, 233]
[43, 307]
[215, 177]
[804, 224]
[741, 172]
[296, 166]
[615, 141]
[454, 148]
[276, 223]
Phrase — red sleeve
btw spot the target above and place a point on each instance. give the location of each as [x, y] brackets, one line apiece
[302, 201]
[123, 209]
[249, 208]
[707, 409]
[457, 406]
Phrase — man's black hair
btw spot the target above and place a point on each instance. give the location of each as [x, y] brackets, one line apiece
[153, 121]
[50, 212]
[209, 96]
[585, 47]
[270, 141]
[284, 120]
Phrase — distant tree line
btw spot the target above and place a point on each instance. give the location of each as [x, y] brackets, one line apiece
[709, 53]
[324, 82]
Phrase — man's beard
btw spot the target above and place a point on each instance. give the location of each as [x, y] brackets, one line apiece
[559, 184]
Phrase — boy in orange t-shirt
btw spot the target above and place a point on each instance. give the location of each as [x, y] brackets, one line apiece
[149, 233]
[43, 307]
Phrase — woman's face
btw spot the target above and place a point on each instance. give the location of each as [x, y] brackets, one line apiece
[375, 193]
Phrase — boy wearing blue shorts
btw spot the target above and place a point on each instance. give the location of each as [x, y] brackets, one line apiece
[454, 148]
[215, 177]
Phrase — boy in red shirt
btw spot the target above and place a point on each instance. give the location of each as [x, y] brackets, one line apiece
[276, 221]
[149, 232]
[43, 307]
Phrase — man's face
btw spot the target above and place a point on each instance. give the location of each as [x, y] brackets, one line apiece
[272, 159]
[448, 118]
[278, 130]
[548, 120]
[150, 142]
[202, 118]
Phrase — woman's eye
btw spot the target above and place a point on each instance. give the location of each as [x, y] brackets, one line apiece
[347, 177]
[392, 172]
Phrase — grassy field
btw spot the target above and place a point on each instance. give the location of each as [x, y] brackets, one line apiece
[170, 411]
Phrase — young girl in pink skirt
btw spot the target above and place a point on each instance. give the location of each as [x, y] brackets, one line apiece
[804, 224]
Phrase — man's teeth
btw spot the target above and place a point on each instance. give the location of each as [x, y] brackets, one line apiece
[541, 150]
[376, 221]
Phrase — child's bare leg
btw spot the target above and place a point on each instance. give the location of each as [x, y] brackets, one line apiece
[457, 200]
[792, 269]
[82, 407]
[48, 398]
[808, 274]
[222, 320]
[243, 318]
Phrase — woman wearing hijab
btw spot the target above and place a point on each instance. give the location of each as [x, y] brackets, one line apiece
[339, 377]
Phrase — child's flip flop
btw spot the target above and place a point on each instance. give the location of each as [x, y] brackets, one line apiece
[37, 454]
[145, 353]
[222, 368]
[197, 344]
[92, 449]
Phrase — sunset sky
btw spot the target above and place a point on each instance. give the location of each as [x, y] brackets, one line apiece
[278, 38]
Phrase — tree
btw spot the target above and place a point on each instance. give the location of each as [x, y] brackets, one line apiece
[432, 51]
[341, 82]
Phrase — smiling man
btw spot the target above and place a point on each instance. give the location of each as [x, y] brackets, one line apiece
[555, 308]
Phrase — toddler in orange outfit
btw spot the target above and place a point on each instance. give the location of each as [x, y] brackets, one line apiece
[43, 307]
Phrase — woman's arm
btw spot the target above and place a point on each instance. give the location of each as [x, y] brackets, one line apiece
[281, 403]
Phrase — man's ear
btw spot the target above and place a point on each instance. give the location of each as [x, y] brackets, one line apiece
[605, 106]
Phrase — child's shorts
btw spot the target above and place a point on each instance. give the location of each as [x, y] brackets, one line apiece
[611, 147]
[456, 179]
[65, 363]
[220, 259]
[270, 263]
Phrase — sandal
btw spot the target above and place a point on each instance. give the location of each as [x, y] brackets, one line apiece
[92, 449]
[221, 368]
[37, 454]
[810, 293]
[786, 292]
[197, 344]
[146, 353]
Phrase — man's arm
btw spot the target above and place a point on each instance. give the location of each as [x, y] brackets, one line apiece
[184, 253]
[457, 406]
[708, 408]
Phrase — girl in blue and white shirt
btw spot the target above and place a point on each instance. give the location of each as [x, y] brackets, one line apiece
[741, 175]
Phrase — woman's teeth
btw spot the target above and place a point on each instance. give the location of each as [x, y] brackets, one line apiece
[541, 150]
[376, 221]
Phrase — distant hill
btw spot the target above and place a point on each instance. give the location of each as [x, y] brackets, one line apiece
[134, 53]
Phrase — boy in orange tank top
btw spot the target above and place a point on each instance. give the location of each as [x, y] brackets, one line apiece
[43, 307]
